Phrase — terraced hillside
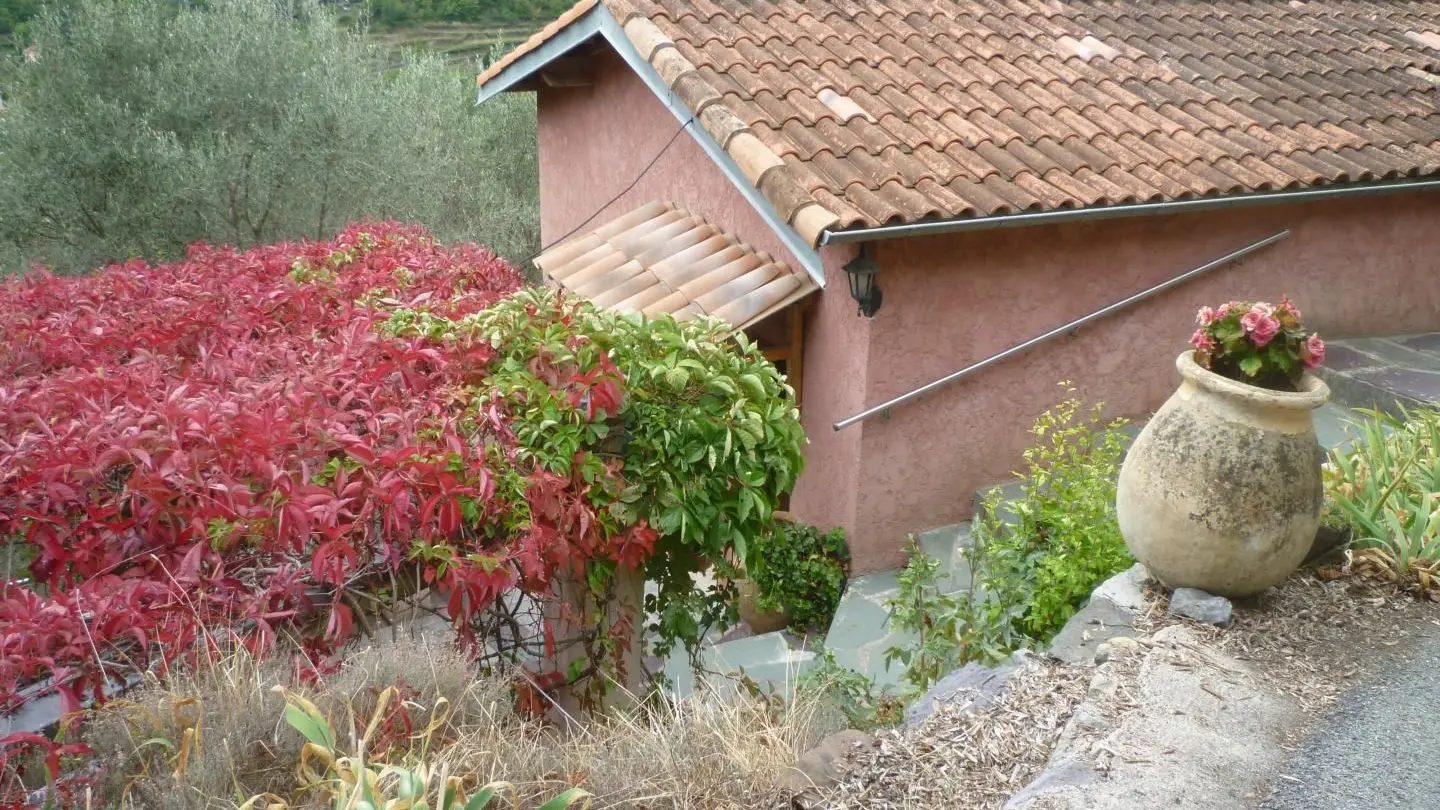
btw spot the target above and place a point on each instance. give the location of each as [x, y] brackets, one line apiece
[461, 43]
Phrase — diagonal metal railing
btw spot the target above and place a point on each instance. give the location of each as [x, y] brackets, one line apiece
[1061, 330]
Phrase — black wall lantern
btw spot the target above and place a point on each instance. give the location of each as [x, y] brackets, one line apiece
[863, 289]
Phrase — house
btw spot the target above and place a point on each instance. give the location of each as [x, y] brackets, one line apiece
[997, 169]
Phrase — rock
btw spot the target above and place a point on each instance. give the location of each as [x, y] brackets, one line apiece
[1068, 776]
[1193, 603]
[1102, 686]
[974, 685]
[1099, 621]
[1126, 589]
[822, 766]
[1123, 646]
[1329, 546]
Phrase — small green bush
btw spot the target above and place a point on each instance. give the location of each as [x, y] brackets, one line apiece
[851, 697]
[939, 622]
[1035, 559]
[1062, 538]
[1387, 487]
[801, 572]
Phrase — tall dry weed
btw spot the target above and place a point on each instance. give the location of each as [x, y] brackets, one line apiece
[210, 739]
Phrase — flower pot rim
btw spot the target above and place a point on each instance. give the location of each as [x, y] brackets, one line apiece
[1312, 394]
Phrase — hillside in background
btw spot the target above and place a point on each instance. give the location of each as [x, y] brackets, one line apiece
[458, 29]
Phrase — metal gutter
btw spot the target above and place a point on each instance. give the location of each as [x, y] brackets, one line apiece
[599, 21]
[1060, 330]
[1120, 211]
[580, 29]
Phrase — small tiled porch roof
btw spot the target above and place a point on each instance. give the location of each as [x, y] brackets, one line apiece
[660, 259]
[862, 113]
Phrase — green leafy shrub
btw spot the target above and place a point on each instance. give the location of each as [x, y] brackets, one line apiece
[675, 425]
[851, 696]
[935, 618]
[1387, 487]
[1061, 538]
[1035, 559]
[800, 571]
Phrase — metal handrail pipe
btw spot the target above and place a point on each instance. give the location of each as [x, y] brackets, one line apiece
[1060, 330]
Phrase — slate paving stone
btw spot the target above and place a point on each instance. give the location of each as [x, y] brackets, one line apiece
[1429, 342]
[1381, 372]
[1339, 357]
[1408, 382]
[1390, 352]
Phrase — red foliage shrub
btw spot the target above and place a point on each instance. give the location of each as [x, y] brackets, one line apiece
[228, 442]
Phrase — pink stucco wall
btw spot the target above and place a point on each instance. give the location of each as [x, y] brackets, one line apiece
[1358, 267]
[594, 141]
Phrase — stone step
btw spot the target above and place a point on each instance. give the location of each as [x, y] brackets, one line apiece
[1383, 373]
[860, 632]
[775, 661]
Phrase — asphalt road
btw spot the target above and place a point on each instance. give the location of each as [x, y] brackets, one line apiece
[1379, 749]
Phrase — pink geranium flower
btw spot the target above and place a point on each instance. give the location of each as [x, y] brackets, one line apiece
[1205, 316]
[1286, 305]
[1202, 341]
[1260, 324]
[1314, 352]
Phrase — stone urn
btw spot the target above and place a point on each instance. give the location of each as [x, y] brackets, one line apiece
[1222, 490]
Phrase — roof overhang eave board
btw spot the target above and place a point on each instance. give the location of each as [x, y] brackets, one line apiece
[524, 73]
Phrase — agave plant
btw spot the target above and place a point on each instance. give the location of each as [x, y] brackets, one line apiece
[351, 783]
[1388, 487]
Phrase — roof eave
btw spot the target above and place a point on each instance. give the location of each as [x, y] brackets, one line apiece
[525, 68]
[960, 225]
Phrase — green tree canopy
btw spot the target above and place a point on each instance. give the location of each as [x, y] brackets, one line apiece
[147, 125]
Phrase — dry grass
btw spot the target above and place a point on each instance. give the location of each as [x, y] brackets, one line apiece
[959, 759]
[208, 741]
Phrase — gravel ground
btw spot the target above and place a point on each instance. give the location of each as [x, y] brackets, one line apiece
[1377, 750]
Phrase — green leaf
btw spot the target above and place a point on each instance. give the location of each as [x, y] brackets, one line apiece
[677, 378]
[742, 549]
[571, 797]
[481, 799]
[1251, 365]
[753, 386]
[311, 726]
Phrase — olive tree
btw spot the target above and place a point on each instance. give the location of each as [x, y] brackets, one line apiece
[146, 125]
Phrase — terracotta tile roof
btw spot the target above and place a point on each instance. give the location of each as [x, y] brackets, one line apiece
[662, 259]
[855, 113]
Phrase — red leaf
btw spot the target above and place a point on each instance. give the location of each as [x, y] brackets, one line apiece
[341, 621]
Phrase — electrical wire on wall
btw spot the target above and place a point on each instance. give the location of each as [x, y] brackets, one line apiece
[612, 200]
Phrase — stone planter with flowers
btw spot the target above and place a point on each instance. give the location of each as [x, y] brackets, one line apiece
[1222, 489]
